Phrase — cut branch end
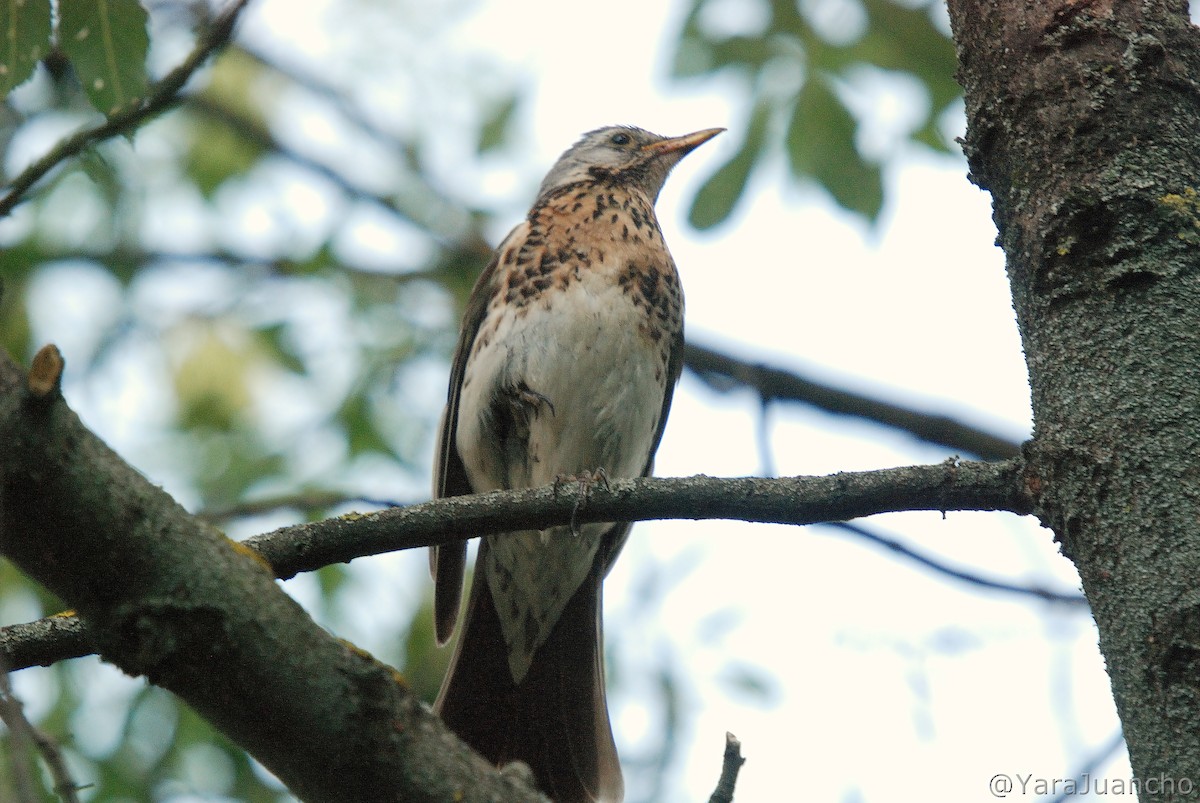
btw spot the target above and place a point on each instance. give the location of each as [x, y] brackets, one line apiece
[45, 375]
[730, 766]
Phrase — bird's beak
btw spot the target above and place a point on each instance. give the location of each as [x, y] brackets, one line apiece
[681, 145]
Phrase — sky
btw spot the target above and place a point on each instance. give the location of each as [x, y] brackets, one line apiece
[883, 682]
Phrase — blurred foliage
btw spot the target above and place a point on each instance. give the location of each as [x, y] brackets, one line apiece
[276, 318]
[800, 63]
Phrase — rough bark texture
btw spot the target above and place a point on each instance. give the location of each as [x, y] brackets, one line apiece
[1082, 123]
[168, 597]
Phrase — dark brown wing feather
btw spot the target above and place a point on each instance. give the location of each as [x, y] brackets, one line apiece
[556, 719]
[447, 563]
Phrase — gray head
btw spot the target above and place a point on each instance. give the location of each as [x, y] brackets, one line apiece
[623, 154]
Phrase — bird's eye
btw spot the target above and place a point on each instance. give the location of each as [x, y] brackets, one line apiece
[620, 139]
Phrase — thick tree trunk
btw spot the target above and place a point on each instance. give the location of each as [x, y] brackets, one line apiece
[1083, 123]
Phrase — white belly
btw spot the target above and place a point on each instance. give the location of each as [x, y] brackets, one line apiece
[594, 385]
[602, 379]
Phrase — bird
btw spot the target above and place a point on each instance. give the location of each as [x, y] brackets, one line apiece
[570, 348]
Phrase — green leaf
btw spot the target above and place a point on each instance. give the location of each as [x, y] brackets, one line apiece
[331, 579]
[423, 661]
[903, 38]
[216, 153]
[106, 42]
[494, 131]
[274, 338]
[931, 136]
[692, 56]
[19, 262]
[716, 198]
[212, 382]
[103, 175]
[25, 25]
[362, 433]
[906, 39]
[751, 52]
[820, 145]
[900, 38]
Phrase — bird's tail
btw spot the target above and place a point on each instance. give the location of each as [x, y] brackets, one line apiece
[556, 719]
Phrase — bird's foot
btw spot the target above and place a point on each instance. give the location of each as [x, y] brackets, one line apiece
[584, 482]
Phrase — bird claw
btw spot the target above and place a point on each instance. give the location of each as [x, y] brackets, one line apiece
[584, 481]
[601, 476]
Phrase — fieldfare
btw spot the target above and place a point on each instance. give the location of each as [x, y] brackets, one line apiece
[570, 348]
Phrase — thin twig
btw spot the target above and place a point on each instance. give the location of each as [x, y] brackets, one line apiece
[730, 766]
[1094, 762]
[1044, 594]
[789, 500]
[368, 280]
[20, 759]
[328, 92]
[766, 456]
[306, 501]
[430, 220]
[24, 733]
[722, 371]
[162, 96]
[792, 500]
[340, 99]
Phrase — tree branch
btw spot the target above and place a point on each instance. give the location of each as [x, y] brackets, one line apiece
[722, 371]
[794, 500]
[730, 767]
[308, 501]
[791, 500]
[970, 578]
[47, 641]
[167, 596]
[162, 96]
[1093, 763]
[435, 203]
[22, 733]
[20, 739]
[429, 220]
[369, 280]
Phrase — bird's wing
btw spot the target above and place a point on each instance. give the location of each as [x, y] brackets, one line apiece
[615, 538]
[447, 563]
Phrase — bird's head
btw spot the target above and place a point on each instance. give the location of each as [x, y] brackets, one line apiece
[624, 154]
